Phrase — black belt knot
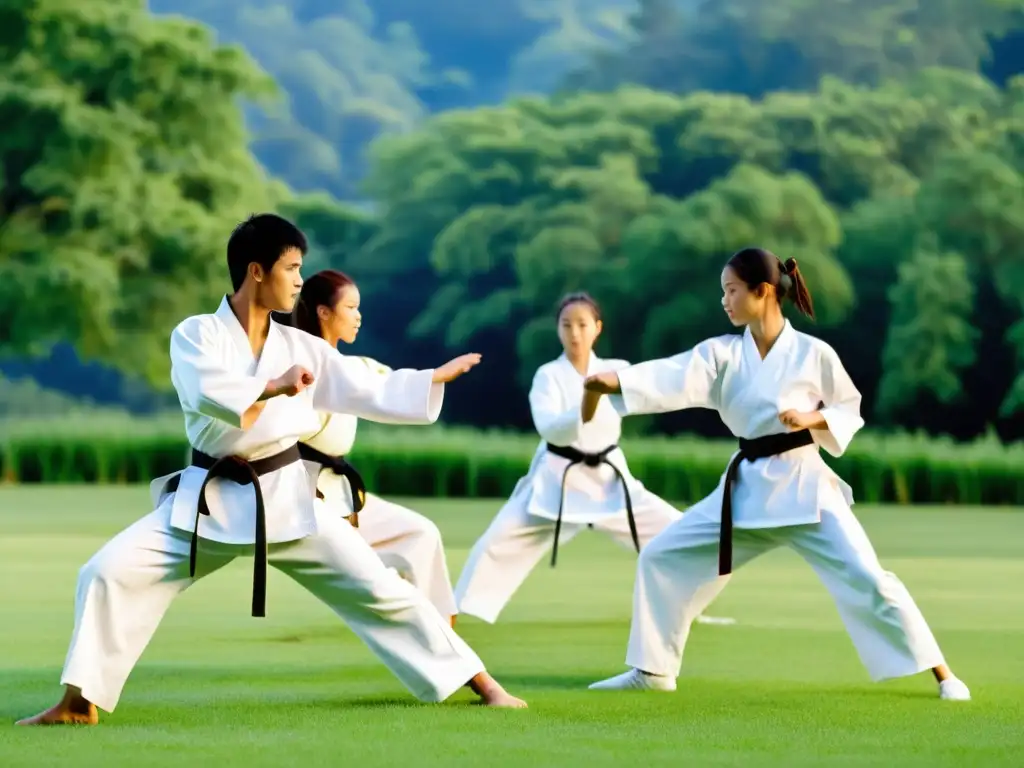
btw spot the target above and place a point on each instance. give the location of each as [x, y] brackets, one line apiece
[339, 465]
[244, 472]
[576, 456]
[751, 450]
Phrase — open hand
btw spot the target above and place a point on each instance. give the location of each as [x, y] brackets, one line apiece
[293, 381]
[455, 368]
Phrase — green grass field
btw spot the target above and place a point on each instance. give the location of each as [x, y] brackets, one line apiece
[783, 687]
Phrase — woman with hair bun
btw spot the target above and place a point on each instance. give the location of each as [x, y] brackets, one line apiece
[784, 395]
[578, 478]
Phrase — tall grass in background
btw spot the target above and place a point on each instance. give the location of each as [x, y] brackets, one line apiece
[113, 447]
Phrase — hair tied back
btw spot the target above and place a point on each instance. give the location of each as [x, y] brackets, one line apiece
[787, 270]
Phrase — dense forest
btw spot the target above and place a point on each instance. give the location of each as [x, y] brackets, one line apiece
[468, 165]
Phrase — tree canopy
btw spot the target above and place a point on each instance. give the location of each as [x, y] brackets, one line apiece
[901, 203]
[862, 139]
[125, 166]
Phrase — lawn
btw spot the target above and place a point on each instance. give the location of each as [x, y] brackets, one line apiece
[782, 687]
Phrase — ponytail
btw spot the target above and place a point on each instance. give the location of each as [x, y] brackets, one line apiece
[304, 318]
[793, 286]
[759, 266]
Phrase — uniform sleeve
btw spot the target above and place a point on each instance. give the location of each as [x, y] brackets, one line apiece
[687, 380]
[337, 436]
[554, 422]
[842, 406]
[203, 379]
[347, 385]
[375, 365]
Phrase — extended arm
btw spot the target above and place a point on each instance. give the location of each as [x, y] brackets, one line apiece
[687, 380]
[349, 385]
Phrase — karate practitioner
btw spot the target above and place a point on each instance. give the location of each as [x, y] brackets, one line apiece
[249, 388]
[578, 478]
[328, 307]
[784, 394]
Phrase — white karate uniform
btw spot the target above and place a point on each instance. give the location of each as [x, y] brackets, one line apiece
[405, 540]
[523, 530]
[793, 499]
[125, 589]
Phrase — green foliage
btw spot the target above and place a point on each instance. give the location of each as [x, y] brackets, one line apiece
[754, 47]
[931, 340]
[350, 72]
[336, 232]
[24, 399]
[466, 463]
[124, 168]
[639, 196]
[342, 80]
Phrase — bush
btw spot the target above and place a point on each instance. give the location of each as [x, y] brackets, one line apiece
[438, 461]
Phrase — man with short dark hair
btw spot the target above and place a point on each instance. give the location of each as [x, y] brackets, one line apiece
[249, 389]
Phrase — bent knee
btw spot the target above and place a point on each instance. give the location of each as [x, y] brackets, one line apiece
[880, 588]
[101, 567]
[653, 553]
[127, 566]
[427, 531]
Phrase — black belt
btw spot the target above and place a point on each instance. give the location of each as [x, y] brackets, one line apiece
[339, 465]
[243, 472]
[751, 450]
[591, 460]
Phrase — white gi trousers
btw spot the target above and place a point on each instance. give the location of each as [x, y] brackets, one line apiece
[126, 588]
[515, 542]
[677, 578]
[411, 544]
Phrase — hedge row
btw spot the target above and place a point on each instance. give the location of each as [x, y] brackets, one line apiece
[459, 463]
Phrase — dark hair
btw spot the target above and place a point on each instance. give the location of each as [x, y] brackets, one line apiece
[321, 290]
[580, 297]
[757, 265]
[262, 238]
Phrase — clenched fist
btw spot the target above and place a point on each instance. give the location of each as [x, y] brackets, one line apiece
[293, 381]
[796, 420]
[603, 383]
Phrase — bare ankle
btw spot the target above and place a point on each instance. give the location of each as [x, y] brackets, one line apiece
[482, 684]
[74, 701]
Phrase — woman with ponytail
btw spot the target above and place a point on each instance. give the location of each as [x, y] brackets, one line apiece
[405, 540]
[784, 395]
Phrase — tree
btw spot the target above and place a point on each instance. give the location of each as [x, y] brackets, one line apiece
[753, 47]
[489, 215]
[931, 340]
[343, 80]
[519, 204]
[124, 168]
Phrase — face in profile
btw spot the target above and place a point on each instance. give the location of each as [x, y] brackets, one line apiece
[740, 303]
[279, 288]
[578, 328]
[343, 320]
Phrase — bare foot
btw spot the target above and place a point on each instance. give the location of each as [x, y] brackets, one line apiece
[73, 709]
[492, 694]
